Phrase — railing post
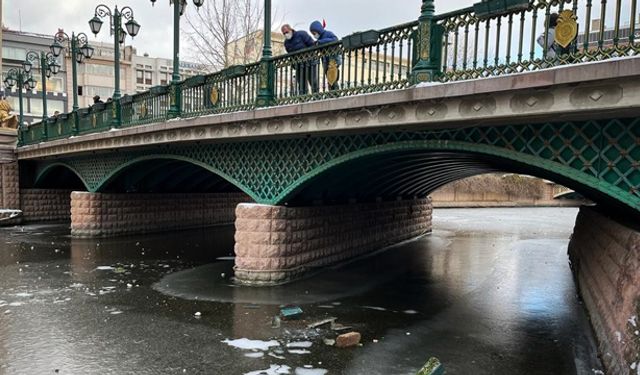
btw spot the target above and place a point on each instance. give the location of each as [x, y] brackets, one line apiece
[266, 76]
[427, 46]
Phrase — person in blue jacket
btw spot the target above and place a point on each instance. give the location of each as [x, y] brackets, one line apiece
[324, 36]
[306, 72]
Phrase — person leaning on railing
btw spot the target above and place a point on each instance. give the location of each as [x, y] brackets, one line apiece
[324, 36]
[306, 71]
[554, 50]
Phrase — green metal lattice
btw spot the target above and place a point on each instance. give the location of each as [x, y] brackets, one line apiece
[602, 155]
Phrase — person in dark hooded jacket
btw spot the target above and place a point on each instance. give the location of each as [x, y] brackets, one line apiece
[324, 36]
[306, 72]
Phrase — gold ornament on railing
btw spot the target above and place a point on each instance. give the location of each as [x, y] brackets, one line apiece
[332, 72]
[567, 28]
[214, 96]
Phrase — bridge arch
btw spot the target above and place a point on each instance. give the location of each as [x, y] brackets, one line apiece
[416, 168]
[166, 173]
[60, 175]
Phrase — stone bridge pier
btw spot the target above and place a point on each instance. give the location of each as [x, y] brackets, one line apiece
[9, 181]
[605, 260]
[277, 244]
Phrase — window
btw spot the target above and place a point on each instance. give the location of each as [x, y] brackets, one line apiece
[102, 92]
[147, 78]
[13, 53]
[164, 78]
[80, 90]
[139, 76]
[54, 84]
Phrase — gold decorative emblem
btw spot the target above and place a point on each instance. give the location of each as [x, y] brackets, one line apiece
[59, 128]
[143, 110]
[332, 72]
[567, 28]
[214, 96]
[94, 120]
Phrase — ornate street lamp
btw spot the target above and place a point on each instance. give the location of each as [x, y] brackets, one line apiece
[179, 7]
[78, 49]
[119, 35]
[23, 80]
[47, 65]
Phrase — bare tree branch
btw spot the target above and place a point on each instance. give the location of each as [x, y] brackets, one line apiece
[210, 31]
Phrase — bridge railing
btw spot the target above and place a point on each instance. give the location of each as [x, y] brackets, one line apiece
[491, 38]
[475, 46]
[229, 90]
[370, 61]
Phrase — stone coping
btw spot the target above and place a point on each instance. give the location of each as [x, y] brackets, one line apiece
[620, 69]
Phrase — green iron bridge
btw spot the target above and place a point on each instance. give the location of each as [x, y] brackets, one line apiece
[414, 107]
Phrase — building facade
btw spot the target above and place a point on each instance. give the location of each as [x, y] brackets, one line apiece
[153, 71]
[96, 76]
[15, 45]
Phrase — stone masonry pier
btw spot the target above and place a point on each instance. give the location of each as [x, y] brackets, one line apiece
[101, 215]
[605, 259]
[277, 244]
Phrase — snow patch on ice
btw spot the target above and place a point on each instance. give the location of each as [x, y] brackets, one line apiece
[248, 344]
[272, 370]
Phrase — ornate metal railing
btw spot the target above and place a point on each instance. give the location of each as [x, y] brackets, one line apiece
[491, 38]
[232, 89]
[518, 41]
[371, 61]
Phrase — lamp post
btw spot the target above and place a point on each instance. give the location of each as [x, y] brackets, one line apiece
[21, 78]
[119, 35]
[179, 7]
[48, 66]
[266, 90]
[78, 49]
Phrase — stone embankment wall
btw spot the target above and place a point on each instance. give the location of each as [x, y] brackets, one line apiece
[605, 259]
[9, 186]
[276, 244]
[45, 205]
[99, 215]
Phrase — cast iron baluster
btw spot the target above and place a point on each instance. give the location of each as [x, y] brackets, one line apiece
[575, 12]
[349, 70]
[393, 60]
[455, 49]
[632, 23]
[616, 27]
[475, 42]
[370, 64]
[409, 57]
[547, 15]
[587, 26]
[532, 52]
[497, 54]
[384, 71]
[509, 34]
[603, 12]
[377, 64]
[445, 50]
[400, 43]
[466, 46]
[486, 43]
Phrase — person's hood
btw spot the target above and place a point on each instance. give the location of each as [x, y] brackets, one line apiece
[316, 27]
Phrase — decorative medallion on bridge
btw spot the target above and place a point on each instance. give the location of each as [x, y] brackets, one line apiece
[425, 40]
[143, 110]
[94, 120]
[59, 128]
[332, 72]
[214, 96]
[567, 28]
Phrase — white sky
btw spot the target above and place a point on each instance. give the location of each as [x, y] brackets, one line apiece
[343, 17]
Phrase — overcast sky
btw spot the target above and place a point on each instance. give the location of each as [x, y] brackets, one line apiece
[342, 16]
